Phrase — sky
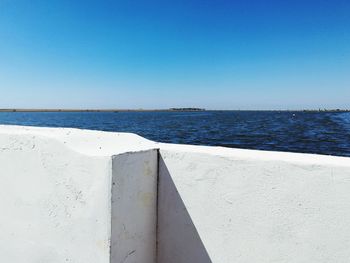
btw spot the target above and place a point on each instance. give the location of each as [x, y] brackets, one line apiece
[247, 54]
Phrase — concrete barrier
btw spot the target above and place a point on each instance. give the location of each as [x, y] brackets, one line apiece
[69, 195]
[134, 207]
[76, 196]
[229, 205]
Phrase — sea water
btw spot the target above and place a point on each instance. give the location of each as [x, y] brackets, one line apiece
[307, 132]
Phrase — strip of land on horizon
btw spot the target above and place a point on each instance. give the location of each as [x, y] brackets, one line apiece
[99, 110]
[162, 110]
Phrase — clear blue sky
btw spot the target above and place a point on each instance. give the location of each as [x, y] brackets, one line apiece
[159, 54]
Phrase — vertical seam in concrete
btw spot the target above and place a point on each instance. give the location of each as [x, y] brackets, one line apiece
[157, 202]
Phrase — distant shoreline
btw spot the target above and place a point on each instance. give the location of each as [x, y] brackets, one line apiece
[103, 110]
[163, 110]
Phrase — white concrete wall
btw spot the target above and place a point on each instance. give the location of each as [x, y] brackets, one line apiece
[69, 195]
[134, 207]
[56, 191]
[222, 205]
[178, 238]
[54, 202]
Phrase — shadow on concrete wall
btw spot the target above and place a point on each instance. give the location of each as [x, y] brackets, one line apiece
[178, 239]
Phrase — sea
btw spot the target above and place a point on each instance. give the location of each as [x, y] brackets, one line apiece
[325, 133]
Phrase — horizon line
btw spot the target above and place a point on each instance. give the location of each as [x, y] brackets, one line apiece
[188, 109]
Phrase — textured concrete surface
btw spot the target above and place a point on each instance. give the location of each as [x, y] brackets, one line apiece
[178, 238]
[54, 202]
[252, 206]
[69, 195]
[134, 207]
[56, 193]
